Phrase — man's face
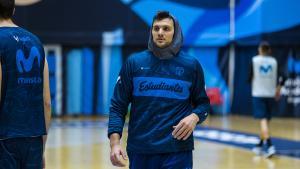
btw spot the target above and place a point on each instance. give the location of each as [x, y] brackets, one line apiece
[162, 32]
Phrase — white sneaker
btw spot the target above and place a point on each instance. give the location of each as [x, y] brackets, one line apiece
[257, 150]
[270, 152]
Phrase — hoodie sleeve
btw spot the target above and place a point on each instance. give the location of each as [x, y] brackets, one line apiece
[120, 100]
[199, 97]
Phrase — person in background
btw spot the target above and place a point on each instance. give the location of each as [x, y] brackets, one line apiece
[263, 76]
[25, 107]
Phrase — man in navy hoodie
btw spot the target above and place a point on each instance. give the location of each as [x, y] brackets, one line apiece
[166, 89]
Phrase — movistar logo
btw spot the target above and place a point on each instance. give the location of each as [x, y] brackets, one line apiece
[265, 69]
[26, 63]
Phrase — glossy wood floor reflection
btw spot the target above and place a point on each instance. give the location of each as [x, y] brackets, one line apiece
[83, 144]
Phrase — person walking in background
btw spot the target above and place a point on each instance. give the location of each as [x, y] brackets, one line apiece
[263, 76]
[166, 89]
[25, 108]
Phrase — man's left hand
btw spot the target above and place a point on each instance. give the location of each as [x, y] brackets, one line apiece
[185, 127]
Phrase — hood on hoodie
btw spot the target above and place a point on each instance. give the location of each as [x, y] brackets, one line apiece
[171, 50]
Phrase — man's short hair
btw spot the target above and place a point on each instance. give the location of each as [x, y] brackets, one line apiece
[265, 47]
[7, 8]
[160, 15]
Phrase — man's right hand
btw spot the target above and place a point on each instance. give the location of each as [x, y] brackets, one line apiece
[117, 154]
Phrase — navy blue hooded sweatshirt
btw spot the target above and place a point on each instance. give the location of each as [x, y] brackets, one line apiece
[163, 87]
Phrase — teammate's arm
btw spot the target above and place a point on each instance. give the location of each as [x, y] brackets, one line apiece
[47, 104]
[47, 100]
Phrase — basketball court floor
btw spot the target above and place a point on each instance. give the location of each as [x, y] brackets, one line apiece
[220, 143]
